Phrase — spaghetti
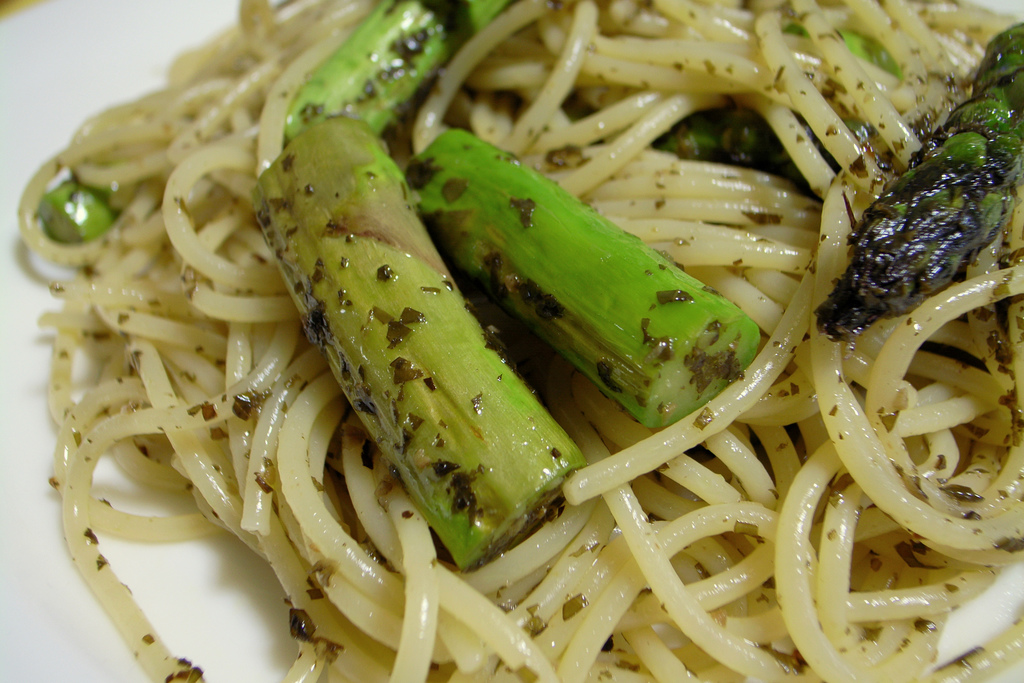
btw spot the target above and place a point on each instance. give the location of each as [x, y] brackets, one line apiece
[818, 520]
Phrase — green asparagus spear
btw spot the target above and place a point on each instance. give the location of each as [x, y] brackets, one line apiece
[650, 336]
[376, 74]
[741, 137]
[932, 221]
[865, 47]
[730, 135]
[478, 453]
[73, 212]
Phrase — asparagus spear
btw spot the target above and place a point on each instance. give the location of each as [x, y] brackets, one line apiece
[727, 135]
[865, 47]
[730, 135]
[933, 220]
[650, 336]
[378, 71]
[741, 137]
[73, 212]
[471, 442]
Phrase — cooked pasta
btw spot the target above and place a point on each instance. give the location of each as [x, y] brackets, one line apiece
[817, 520]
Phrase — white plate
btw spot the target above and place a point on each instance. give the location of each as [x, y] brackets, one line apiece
[61, 61]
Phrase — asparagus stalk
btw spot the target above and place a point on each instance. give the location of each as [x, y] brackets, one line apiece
[378, 71]
[864, 47]
[741, 137]
[652, 337]
[731, 135]
[72, 212]
[930, 223]
[468, 438]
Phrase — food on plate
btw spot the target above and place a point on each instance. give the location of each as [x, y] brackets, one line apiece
[819, 518]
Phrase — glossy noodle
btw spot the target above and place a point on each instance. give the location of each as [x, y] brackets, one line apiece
[818, 520]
